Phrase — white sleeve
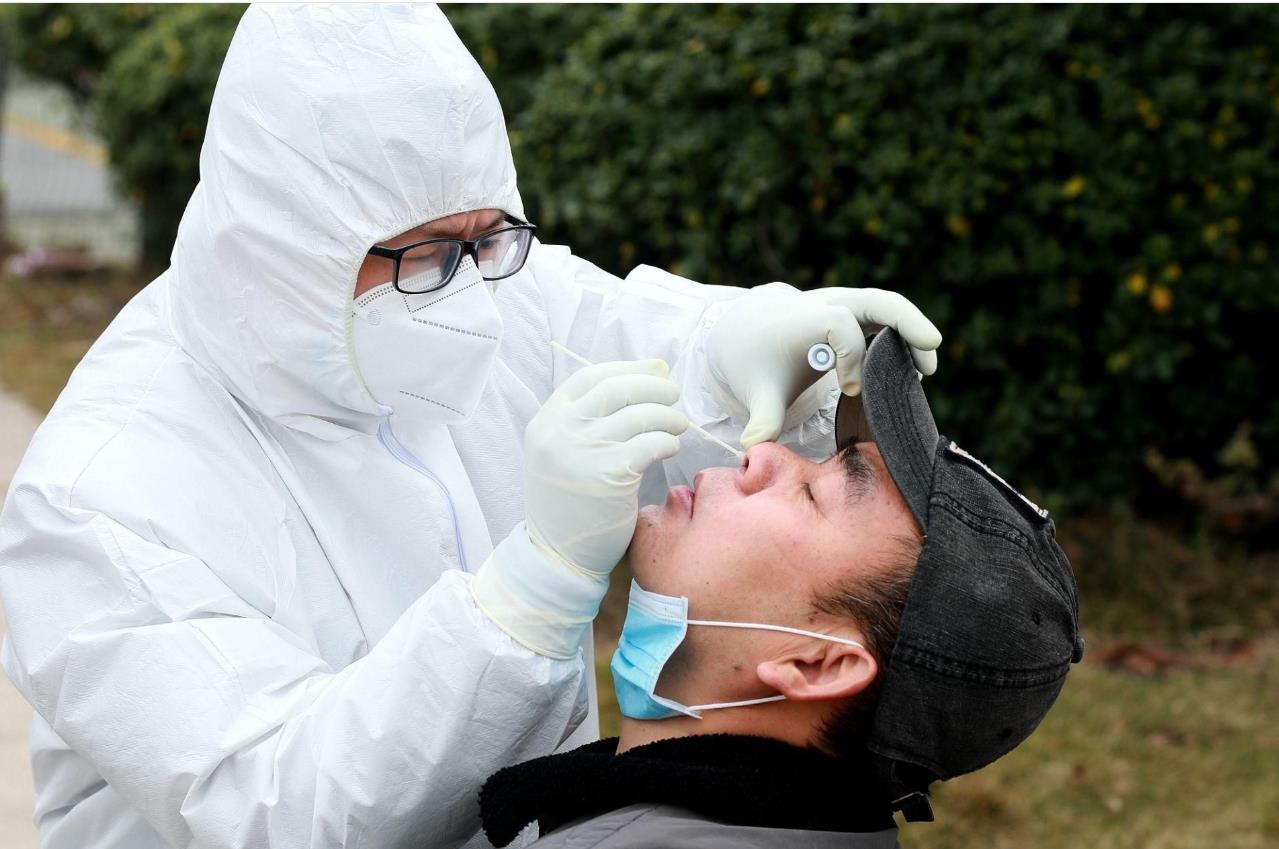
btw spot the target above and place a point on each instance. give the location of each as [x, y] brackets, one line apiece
[650, 313]
[226, 729]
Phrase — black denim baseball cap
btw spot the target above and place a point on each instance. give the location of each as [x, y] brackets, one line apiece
[991, 622]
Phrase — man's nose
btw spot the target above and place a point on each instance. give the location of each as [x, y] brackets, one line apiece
[762, 465]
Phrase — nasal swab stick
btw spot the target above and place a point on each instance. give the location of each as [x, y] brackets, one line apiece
[722, 444]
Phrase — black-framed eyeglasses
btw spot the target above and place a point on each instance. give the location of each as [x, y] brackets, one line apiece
[429, 265]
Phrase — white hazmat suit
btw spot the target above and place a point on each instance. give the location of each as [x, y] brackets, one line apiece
[236, 586]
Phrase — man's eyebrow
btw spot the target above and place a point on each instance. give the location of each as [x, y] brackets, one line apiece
[432, 229]
[859, 474]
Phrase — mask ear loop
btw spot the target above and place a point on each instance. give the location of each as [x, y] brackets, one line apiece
[751, 626]
[744, 703]
[760, 627]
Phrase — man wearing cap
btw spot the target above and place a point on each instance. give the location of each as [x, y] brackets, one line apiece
[809, 646]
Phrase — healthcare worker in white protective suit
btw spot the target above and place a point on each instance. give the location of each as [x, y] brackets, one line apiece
[269, 576]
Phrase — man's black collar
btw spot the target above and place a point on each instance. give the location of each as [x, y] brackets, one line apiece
[735, 779]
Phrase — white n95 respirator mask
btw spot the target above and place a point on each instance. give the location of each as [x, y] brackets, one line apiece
[428, 356]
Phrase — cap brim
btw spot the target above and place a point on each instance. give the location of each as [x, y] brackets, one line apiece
[892, 411]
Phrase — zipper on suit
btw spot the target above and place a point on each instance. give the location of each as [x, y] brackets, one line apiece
[397, 450]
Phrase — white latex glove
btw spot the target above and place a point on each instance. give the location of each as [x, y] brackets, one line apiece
[584, 454]
[758, 350]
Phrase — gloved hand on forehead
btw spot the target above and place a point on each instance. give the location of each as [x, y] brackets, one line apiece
[758, 351]
[584, 455]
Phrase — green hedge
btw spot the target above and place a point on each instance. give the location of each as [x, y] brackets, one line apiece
[1083, 197]
[152, 106]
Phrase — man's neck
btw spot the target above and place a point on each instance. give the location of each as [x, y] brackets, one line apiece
[637, 732]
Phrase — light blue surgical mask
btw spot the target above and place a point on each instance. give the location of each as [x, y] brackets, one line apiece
[655, 626]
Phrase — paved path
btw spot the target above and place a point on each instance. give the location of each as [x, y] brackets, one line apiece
[17, 423]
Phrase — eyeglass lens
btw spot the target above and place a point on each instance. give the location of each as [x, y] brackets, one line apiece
[503, 253]
[429, 266]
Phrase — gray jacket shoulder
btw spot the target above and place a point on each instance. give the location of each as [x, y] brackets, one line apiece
[665, 827]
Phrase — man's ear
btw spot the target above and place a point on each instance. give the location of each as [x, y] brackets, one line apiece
[830, 671]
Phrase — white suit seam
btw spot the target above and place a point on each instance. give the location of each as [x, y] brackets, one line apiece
[115, 553]
[133, 409]
[117, 556]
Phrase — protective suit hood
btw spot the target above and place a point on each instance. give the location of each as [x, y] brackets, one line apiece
[319, 146]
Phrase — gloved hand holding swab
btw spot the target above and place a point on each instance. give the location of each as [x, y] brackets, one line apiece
[730, 449]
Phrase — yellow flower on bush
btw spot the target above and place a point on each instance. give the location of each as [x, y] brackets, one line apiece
[1136, 283]
[1172, 271]
[61, 26]
[1074, 187]
[1118, 361]
[1149, 117]
[959, 225]
[1160, 299]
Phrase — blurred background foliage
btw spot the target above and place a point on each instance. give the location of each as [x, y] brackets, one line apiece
[147, 73]
[1083, 198]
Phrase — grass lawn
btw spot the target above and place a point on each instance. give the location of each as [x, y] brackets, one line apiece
[1185, 760]
[1165, 737]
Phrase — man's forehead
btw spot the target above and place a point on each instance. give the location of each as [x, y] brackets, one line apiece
[451, 225]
